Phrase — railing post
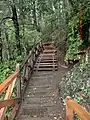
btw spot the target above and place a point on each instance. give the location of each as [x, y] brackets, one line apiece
[33, 58]
[18, 82]
[35, 52]
[87, 56]
[69, 111]
[41, 46]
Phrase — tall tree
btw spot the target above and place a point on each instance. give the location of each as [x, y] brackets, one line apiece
[1, 47]
[16, 26]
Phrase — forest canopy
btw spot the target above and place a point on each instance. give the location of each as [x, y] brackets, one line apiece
[23, 23]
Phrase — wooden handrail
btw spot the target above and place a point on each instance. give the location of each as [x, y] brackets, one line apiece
[6, 103]
[7, 96]
[9, 84]
[29, 55]
[8, 81]
[72, 106]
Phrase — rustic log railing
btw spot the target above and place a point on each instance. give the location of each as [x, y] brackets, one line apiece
[17, 83]
[72, 106]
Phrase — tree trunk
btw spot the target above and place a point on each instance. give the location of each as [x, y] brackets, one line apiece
[34, 14]
[1, 58]
[8, 44]
[16, 26]
[86, 33]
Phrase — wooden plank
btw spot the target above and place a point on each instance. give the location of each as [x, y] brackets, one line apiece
[49, 51]
[8, 102]
[47, 58]
[42, 60]
[45, 69]
[81, 112]
[69, 111]
[43, 74]
[46, 63]
[8, 81]
[18, 84]
[45, 54]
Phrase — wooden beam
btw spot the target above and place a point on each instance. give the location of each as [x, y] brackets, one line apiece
[7, 96]
[81, 112]
[69, 111]
[8, 81]
[8, 102]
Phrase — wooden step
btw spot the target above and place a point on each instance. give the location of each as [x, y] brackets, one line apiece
[49, 51]
[38, 90]
[38, 100]
[34, 111]
[47, 55]
[42, 78]
[49, 48]
[28, 106]
[47, 58]
[46, 61]
[42, 74]
[45, 69]
[28, 117]
[39, 86]
[39, 94]
[43, 81]
[45, 66]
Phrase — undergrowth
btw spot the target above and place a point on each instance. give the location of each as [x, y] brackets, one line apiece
[76, 84]
[8, 67]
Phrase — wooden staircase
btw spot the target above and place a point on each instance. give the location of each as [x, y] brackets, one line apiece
[47, 60]
[40, 100]
[37, 94]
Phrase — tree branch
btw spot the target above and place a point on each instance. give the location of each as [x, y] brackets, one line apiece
[5, 19]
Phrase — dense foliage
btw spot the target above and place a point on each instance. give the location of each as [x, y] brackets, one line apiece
[73, 37]
[23, 23]
[76, 83]
[78, 28]
[8, 67]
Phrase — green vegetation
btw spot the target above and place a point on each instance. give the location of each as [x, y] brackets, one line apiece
[23, 23]
[77, 84]
[8, 67]
[74, 41]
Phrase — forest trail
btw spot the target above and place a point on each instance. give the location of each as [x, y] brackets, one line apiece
[42, 98]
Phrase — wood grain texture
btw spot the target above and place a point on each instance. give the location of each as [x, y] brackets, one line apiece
[8, 102]
[81, 112]
[8, 81]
